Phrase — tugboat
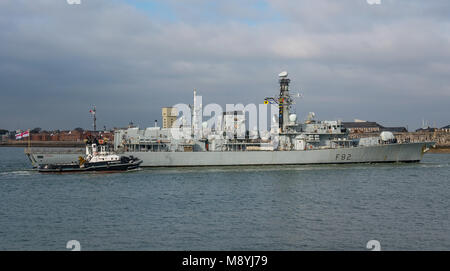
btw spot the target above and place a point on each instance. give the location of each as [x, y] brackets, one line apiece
[97, 159]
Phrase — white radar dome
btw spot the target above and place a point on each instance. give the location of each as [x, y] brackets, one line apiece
[386, 136]
[292, 117]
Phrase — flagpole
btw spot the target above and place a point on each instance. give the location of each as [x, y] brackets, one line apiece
[29, 140]
[28, 150]
[95, 119]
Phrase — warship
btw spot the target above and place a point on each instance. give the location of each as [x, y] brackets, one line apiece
[229, 143]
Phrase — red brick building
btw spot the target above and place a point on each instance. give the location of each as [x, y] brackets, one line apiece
[71, 136]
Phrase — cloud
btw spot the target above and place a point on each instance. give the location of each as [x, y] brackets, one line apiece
[349, 59]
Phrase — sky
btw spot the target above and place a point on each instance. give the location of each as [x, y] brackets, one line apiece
[388, 61]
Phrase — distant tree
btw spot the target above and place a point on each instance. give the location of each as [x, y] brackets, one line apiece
[36, 130]
[79, 129]
[3, 132]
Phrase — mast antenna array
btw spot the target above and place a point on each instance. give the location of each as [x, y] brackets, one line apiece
[284, 100]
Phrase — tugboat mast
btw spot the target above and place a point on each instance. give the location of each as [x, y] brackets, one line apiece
[93, 112]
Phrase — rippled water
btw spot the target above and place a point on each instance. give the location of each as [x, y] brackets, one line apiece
[337, 207]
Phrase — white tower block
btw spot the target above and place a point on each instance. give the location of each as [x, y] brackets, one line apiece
[197, 116]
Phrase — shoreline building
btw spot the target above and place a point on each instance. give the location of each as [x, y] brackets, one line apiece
[169, 116]
[359, 126]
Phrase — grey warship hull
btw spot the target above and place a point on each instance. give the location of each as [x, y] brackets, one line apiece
[44, 156]
[412, 152]
[390, 153]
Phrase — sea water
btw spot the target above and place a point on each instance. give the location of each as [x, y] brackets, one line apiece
[323, 207]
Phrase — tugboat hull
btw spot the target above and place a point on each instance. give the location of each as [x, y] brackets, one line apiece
[104, 167]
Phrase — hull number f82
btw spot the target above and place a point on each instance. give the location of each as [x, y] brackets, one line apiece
[343, 157]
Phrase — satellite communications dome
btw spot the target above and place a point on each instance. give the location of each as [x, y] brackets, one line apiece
[292, 117]
[386, 136]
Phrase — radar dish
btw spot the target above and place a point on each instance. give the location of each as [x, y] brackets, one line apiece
[283, 74]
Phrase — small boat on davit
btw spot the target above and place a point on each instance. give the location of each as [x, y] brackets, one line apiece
[97, 159]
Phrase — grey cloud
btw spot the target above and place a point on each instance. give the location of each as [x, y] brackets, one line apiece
[56, 60]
